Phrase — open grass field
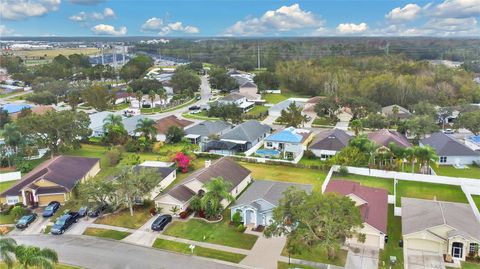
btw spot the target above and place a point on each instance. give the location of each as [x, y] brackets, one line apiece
[124, 219]
[450, 171]
[51, 53]
[318, 255]
[199, 251]
[104, 233]
[394, 232]
[221, 233]
[287, 174]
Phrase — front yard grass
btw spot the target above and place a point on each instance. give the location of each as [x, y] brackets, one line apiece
[104, 233]
[324, 121]
[7, 219]
[221, 233]
[467, 265]
[199, 251]
[394, 232]
[283, 173]
[285, 265]
[5, 185]
[123, 218]
[450, 171]
[257, 110]
[476, 199]
[318, 255]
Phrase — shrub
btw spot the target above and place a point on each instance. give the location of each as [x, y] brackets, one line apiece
[241, 228]
[5, 209]
[196, 204]
[184, 214]
[157, 147]
[18, 211]
[24, 167]
[343, 171]
[237, 219]
[114, 156]
[309, 154]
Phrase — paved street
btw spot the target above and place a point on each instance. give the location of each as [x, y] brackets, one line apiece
[90, 252]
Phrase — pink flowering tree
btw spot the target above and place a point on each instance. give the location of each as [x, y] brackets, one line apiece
[182, 161]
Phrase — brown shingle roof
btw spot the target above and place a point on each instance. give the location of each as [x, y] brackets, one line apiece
[65, 171]
[375, 211]
[164, 124]
[39, 110]
[384, 137]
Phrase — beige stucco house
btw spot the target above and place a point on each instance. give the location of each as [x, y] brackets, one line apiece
[181, 194]
[437, 228]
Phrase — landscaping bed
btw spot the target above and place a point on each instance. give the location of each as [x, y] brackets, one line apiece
[220, 233]
[394, 232]
[199, 251]
[318, 255]
[104, 233]
[124, 219]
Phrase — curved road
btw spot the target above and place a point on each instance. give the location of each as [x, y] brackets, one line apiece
[92, 252]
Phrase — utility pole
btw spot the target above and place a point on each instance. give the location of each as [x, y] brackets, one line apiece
[101, 50]
[258, 56]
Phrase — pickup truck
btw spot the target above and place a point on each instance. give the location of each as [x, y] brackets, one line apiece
[64, 222]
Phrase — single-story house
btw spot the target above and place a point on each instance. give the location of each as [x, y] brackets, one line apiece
[225, 167]
[53, 180]
[167, 175]
[288, 143]
[403, 113]
[257, 203]
[373, 205]
[202, 133]
[237, 99]
[162, 125]
[249, 90]
[276, 109]
[384, 137]
[438, 228]
[37, 110]
[328, 143]
[245, 136]
[97, 121]
[451, 151]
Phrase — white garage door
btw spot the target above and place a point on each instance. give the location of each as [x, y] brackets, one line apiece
[424, 245]
[372, 240]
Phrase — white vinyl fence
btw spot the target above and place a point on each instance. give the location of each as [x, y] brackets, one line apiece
[10, 176]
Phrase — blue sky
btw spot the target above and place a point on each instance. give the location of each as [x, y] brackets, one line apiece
[239, 18]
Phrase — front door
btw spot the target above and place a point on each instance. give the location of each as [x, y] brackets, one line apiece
[457, 250]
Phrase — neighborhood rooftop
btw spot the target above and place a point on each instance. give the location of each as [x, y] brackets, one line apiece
[384, 137]
[334, 139]
[207, 128]
[162, 125]
[286, 135]
[445, 145]
[247, 131]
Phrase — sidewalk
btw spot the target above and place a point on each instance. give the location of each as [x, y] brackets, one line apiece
[144, 236]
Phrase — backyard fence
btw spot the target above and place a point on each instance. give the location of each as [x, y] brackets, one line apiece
[10, 176]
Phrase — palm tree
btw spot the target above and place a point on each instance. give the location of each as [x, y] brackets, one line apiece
[139, 96]
[129, 91]
[425, 155]
[162, 94]
[174, 210]
[13, 137]
[7, 251]
[409, 154]
[147, 128]
[216, 191]
[152, 95]
[112, 120]
[398, 153]
[357, 126]
[34, 256]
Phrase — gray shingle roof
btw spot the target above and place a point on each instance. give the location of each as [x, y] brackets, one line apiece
[248, 84]
[284, 104]
[270, 191]
[419, 215]
[388, 110]
[207, 128]
[334, 139]
[446, 145]
[163, 171]
[232, 97]
[247, 131]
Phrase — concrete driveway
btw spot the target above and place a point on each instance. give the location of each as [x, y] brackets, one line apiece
[143, 236]
[80, 227]
[418, 259]
[366, 258]
[35, 228]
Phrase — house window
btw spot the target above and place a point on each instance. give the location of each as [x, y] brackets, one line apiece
[473, 248]
[11, 200]
[269, 144]
[443, 159]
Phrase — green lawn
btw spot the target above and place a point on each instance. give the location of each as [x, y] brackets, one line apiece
[47, 229]
[448, 170]
[104, 233]
[323, 121]
[374, 182]
[7, 219]
[159, 109]
[476, 199]
[468, 265]
[217, 233]
[284, 265]
[124, 219]
[394, 232]
[58, 266]
[287, 174]
[430, 191]
[318, 255]
[275, 98]
[5, 185]
[121, 106]
[257, 110]
[311, 162]
[199, 251]
[198, 116]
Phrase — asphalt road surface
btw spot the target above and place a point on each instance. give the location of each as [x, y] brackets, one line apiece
[96, 253]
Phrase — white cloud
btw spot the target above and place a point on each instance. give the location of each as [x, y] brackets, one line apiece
[408, 13]
[158, 25]
[352, 28]
[105, 29]
[4, 30]
[455, 9]
[284, 19]
[23, 9]
[86, 2]
[94, 16]
[453, 26]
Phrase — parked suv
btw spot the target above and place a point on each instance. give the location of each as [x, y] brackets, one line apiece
[97, 211]
[160, 223]
[64, 222]
[51, 208]
[26, 220]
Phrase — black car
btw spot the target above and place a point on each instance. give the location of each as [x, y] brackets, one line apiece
[82, 212]
[64, 222]
[161, 222]
[97, 211]
[51, 208]
[26, 220]
[194, 108]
